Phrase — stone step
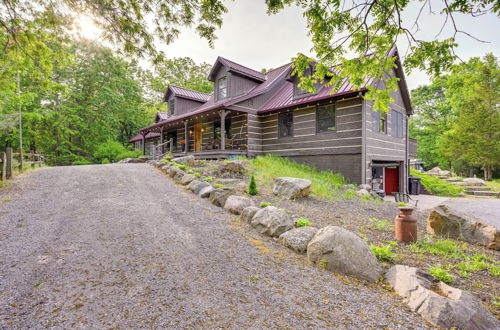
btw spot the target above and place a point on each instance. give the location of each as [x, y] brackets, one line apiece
[478, 188]
[484, 193]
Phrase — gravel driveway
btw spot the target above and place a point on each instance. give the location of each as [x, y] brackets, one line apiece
[121, 246]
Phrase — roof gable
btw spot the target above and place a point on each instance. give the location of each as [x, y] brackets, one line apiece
[186, 94]
[235, 68]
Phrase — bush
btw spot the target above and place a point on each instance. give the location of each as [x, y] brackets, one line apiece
[384, 253]
[441, 274]
[252, 187]
[303, 222]
[265, 204]
[105, 161]
[437, 186]
[129, 154]
[81, 162]
[111, 150]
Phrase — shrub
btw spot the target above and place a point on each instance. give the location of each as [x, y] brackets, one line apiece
[129, 154]
[265, 204]
[105, 161]
[167, 157]
[437, 186]
[349, 194]
[81, 162]
[198, 175]
[441, 274]
[209, 179]
[182, 167]
[110, 150]
[303, 222]
[252, 187]
[218, 185]
[384, 253]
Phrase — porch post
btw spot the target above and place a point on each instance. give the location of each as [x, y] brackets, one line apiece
[144, 144]
[222, 115]
[186, 135]
[161, 141]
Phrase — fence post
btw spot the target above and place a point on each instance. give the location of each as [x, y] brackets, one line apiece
[3, 167]
[21, 160]
[32, 157]
[8, 163]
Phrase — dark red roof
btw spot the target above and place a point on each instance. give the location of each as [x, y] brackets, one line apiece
[138, 137]
[238, 68]
[161, 115]
[187, 94]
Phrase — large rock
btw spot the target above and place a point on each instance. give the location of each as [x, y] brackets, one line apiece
[297, 239]
[272, 221]
[133, 160]
[365, 186]
[196, 186]
[474, 182]
[362, 192]
[248, 213]
[206, 191]
[337, 249]
[291, 187]
[187, 179]
[475, 221]
[179, 176]
[236, 204]
[156, 163]
[236, 166]
[184, 159]
[165, 168]
[438, 303]
[435, 171]
[174, 171]
[219, 196]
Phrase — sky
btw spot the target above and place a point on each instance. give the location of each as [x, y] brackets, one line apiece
[255, 39]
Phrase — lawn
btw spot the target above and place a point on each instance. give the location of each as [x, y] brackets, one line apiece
[437, 186]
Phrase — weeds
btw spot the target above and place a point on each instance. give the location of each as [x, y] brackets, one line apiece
[209, 179]
[442, 247]
[264, 204]
[380, 225]
[198, 175]
[384, 253]
[218, 185]
[441, 274]
[349, 194]
[303, 222]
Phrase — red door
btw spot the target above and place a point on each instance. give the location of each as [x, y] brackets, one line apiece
[391, 180]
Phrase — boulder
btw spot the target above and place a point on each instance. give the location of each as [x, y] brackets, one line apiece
[156, 163]
[187, 179]
[174, 171]
[362, 192]
[297, 239]
[184, 159]
[219, 196]
[474, 181]
[248, 213]
[365, 186]
[337, 249]
[165, 168]
[438, 303]
[196, 186]
[236, 204]
[206, 191]
[474, 221]
[435, 171]
[445, 173]
[132, 160]
[272, 221]
[291, 188]
[236, 166]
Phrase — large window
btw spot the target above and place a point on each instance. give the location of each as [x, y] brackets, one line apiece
[227, 127]
[380, 122]
[325, 118]
[171, 107]
[285, 124]
[222, 88]
[397, 120]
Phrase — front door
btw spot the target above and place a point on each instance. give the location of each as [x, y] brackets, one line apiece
[198, 137]
[391, 180]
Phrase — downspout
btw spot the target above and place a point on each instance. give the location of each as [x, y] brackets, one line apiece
[363, 143]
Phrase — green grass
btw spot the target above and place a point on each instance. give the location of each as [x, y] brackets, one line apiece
[437, 186]
[303, 222]
[324, 183]
[495, 184]
[441, 274]
[442, 247]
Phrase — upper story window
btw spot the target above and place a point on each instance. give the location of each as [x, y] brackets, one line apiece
[397, 121]
[171, 107]
[325, 118]
[222, 88]
[380, 122]
[285, 124]
[299, 92]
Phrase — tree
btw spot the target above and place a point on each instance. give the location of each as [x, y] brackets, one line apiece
[475, 134]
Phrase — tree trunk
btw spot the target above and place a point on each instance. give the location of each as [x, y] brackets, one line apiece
[488, 171]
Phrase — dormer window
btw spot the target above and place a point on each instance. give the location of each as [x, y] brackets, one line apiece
[222, 88]
[298, 92]
[171, 107]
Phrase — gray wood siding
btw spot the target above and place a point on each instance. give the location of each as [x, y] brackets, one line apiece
[183, 106]
[349, 165]
[223, 72]
[240, 85]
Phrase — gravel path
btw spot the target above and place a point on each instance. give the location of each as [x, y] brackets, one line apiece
[121, 246]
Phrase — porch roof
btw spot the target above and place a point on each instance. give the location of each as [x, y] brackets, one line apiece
[138, 137]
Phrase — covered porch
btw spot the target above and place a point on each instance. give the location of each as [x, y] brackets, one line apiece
[210, 135]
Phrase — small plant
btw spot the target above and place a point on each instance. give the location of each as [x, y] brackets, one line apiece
[209, 179]
[182, 167]
[494, 270]
[198, 175]
[303, 222]
[264, 204]
[441, 274]
[254, 278]
[366, 197]
[323, 263]
[380, 225]
[402, 204]
[189, 172]
[252, 187]
[38, 284]
[218, 185]
[167, 157]
[384, 253]
[349, 194]
[443, 247]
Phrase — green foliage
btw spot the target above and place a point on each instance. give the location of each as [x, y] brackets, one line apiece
[105, 161]
[81, 162]
[130, 154]
[209, 179]
[167, 157]
[264, 204]
[349, 194]
[437, 186]
[443, 247]
[380, 225]
[182, 167]
[323, 264]
[441, 274]
[110, 150]
[198, 175]
[218, 185]
[252, 187]
[494, 270]
[367, 197]
[189, 171]
[384, 253]
[324, 183]
[303, 222]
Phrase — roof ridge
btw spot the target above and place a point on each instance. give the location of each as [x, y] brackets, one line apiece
[244, 66]
[187, 89]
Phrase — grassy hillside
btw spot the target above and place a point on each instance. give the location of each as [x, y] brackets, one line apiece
[437, 186]
[324, 183]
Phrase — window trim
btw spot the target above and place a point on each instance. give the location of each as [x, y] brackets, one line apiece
[379, 119]
[334, 118]
[288, 113]
[397, 124]
[171, 107]
[226, 87]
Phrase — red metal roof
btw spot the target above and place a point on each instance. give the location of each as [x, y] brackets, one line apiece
[188, 93]
[162, 115]
[138, 137]
[243, 69]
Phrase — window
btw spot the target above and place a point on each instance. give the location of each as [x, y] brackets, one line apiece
[222, 88]
[397, 120]
[299, 92]
[285, 124]
[325, 118]
[227, 127]
[173, 136]
[380, 122]
[171, 107]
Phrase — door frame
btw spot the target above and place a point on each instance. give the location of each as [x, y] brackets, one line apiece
[198, 137]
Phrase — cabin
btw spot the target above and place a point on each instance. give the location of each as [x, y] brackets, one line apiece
[253, 113]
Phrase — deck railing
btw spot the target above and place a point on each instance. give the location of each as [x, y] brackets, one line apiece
[10, 160]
